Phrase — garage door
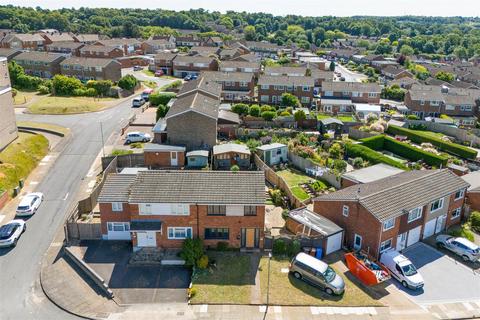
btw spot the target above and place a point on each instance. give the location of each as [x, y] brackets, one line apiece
[429, 228]
[334, 243]
[413, 236]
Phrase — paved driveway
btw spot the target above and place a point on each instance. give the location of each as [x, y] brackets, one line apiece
[445, 279]
[132, 283]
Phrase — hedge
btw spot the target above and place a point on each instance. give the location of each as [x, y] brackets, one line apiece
[382, 142]
[358, 150]
[419, 137]
[162, 98]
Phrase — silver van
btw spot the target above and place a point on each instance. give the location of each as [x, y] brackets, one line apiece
[318, 273]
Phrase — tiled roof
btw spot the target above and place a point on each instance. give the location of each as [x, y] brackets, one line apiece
[23, 37]
[118, 42]
[220, 76]
[202, 187]
[97, 48]
[285, 70]
[230, 147]
[88, 62]
[239, 64]
[116, 188]
[340, 86]
[198, 102]
[393, 196]
[87, 37]
[38, 56]
[62, 37]
[65, 44]
[193, 59]
[168, 56]
[203, 85]
[286, 81]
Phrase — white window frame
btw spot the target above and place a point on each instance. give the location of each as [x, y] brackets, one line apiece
[372, 94]
[418, 215]
[305, 88]
[265, 86]
[462, 194]
[117, 206]
[440, 206]
[388, 224]
[456, 213]
[147, 210]
[111, 226]
[171, 232]
[345, 211]
[383, 247]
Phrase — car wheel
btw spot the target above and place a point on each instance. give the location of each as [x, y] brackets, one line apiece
[404, 284]
[465, 258]
[440, 245]
[14, 244]
[145, 140]
[329, 291]
[128, 142]
[297, 275]
[24, 228]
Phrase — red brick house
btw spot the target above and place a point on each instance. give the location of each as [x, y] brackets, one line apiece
[473, 192]
[68, 48]
[163, 156]
[161, 208]
[163, 61]
[56, 37]
[186, 65]
[97, 51]
[40, 64]
[271, 88]
[236, 86]
[357, 92]
[397, 211]
[240, 66]
[129, 46]
[23, 41]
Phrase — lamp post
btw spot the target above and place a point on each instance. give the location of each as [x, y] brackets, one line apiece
[103, 141]
[268, 284]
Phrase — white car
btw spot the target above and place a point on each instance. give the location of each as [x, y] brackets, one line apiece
[11, 232]
[137, 137]
[402, 269]
[29, 204]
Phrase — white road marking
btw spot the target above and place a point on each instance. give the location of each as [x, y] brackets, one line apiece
[66, 196]
[204, 308]
[314, 311]
[262, 309]
[2, 217]
[33, 183]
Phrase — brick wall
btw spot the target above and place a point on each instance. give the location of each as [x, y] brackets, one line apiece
[473, 199]
[107, 215]
[163, 159]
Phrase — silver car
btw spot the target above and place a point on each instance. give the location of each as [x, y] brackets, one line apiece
[317, 273]
[468, 250]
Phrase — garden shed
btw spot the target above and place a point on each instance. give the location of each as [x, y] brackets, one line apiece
[331, 125]
[229, 154]
[307, 224]
[273, 154]
[364, 109]
[197, 159]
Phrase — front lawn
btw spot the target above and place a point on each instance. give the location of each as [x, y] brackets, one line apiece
[20, 158]
[69, 105]
[230, 282]
[286, 290]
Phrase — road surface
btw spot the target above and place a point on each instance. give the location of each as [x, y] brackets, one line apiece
[349, 76]
[20, 294]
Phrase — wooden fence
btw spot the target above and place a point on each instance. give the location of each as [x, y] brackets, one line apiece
[125, 161]
[277, 181]
[307, 166]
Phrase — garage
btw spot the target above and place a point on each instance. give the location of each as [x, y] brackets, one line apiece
[320, 230]
[434, 226]
[413, 236]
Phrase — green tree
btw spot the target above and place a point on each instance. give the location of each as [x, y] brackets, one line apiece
[254, 110]
[192, 251]
[332, 66]
[240, 108]
[336, 151]
[300, 115]
[406, 50]
[250, 33]
[445, 76]
[268, 115]
[66, 86]
[162, 111]
[289, 100]
[128, 82]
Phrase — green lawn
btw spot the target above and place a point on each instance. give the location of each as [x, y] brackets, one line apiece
[22, 97]
[20, 158]
[429, 133]
[286, 290]
[321, 116]
[40, 125]
[294, 179]
[150, 84]
[68, 105]
[230, 282]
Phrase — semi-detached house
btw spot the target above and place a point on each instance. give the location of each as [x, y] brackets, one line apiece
[188, 65]
[397, 211]
[92, 69]
[40, 64]
[271, 89]
[160, 209]
[236, 86]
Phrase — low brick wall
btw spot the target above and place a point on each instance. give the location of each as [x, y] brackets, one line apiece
[4, 199]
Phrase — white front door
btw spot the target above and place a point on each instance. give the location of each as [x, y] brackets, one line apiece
[414, 236]
[173, 159]
[401, 241]
[146, 239]
[440, 223]
[429, 229]
[334, 243]
[357, 242]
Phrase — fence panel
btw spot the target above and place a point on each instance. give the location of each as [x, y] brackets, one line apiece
[84, 231]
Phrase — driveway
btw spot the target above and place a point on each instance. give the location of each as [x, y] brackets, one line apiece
[134, 283]
[445, 279]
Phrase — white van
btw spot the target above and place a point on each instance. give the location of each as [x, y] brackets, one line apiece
[402, 269]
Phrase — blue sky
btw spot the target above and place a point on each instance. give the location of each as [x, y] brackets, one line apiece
[283, 7]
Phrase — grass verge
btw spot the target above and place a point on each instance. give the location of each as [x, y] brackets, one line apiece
[286, 290]
[20, 158]
[229, 282]
[40, 125]
[68, 105]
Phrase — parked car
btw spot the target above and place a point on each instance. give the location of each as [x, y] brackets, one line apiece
[146, 94]
[11, 232]
[137, 137]
[466, 249]
[29, 204]
[137, 102]
[402, 269]
[187, 78]
[317, 273]
[137, 68]
[158, 73]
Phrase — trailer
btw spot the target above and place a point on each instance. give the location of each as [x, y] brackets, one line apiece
[366, 270]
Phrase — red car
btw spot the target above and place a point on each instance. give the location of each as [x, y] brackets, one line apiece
[158, 73]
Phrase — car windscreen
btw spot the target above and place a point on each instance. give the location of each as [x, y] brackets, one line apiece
[329, 274]
[7, 230]
[23, 207]
[409, 270]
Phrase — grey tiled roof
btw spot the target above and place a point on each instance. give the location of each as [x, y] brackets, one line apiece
[339, 86]
[286, 81]
[38, 56]
[201, 84]
[219, 76]
[285, 70]
[202, 187]
[393, 196]
[197, 101]
[239, 64]
[88, 62]
[97, 48]
[116, 188]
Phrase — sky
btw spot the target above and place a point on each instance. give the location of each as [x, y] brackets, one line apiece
[284, 7]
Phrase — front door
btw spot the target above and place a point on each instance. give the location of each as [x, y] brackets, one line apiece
[440, 223]
[250, 238]
[401, 241]
[357, 242]
[173, 159]
[146, 239]
[268, 156]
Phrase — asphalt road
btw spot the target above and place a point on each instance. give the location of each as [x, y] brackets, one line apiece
[20, 294]
[350, 76]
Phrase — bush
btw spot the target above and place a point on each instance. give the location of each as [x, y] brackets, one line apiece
[173, 85]
[339, 165]
[128, 82]
[293, 248]
[43, 89]
[420, 137]
[279, 247]
[202, 263]
[102, 87]
[357, 162]
[192, 251]
[162, 111]
[462, 232]
[254, 111]
[66, 86]
[358, 150]
[192, 292]
[240, 108]
[234, 168]
[285, 214]
[268, 115]
[475, 221]
[121, 152]
[277, 197]
[412, 117]
[222, 246]
[164, 98]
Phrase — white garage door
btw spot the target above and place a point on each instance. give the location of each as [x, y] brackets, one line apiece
[334, 243]
[429, 228]
[413, 236]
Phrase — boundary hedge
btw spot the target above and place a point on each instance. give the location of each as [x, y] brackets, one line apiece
[449, 147]
[359, 150]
